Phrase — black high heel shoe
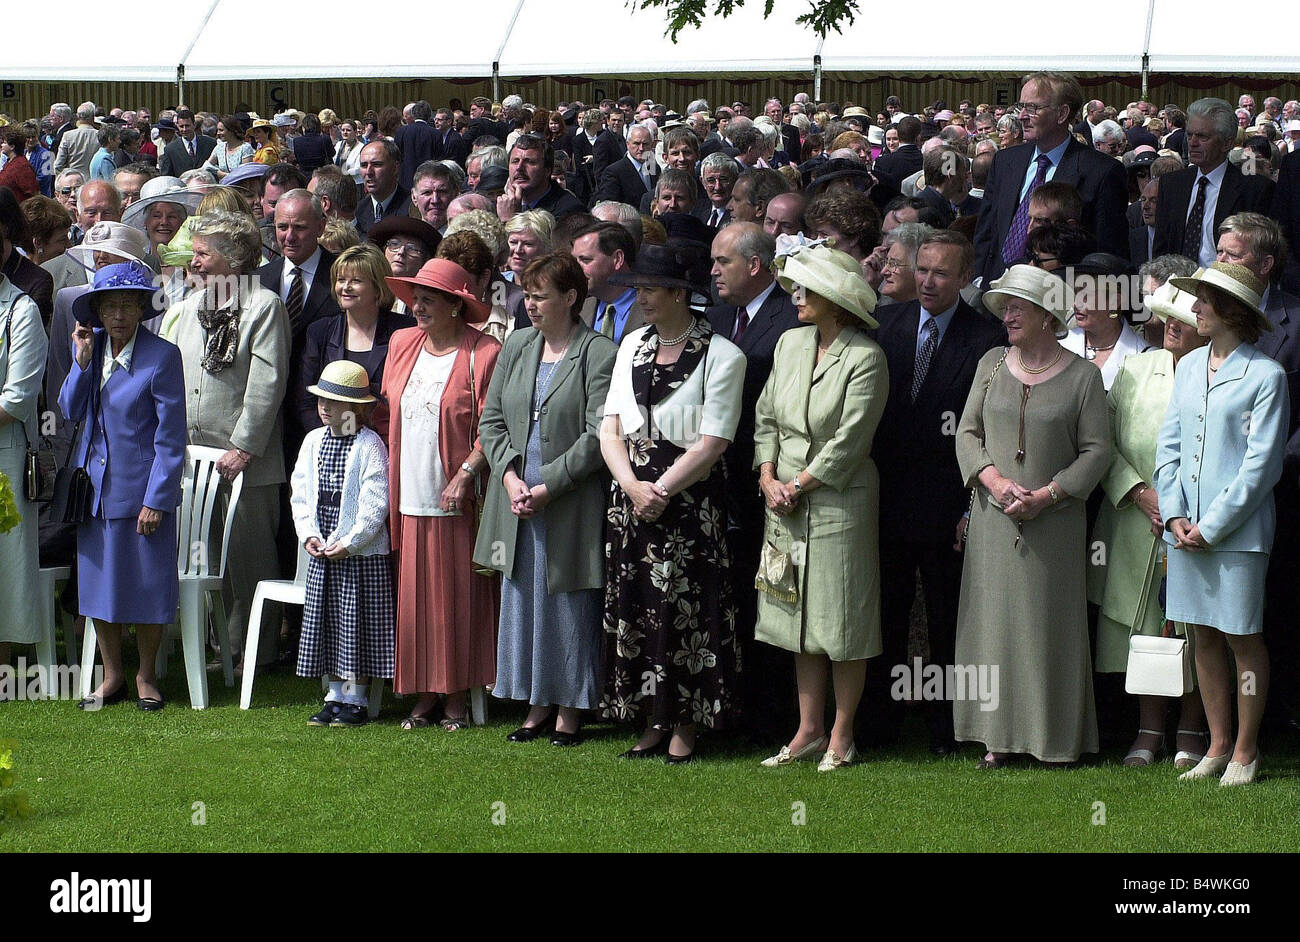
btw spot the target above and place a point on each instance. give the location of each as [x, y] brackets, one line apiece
[658, 749]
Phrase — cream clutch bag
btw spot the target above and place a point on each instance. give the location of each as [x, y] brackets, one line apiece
[776, 574]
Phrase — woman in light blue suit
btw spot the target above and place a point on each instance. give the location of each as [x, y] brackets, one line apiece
[22, 362]
[1219, 456]
[133, 448]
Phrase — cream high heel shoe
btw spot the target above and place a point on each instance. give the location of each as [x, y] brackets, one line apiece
[833, 760]
[1208, 767]
[1238, 774]
[786, 757]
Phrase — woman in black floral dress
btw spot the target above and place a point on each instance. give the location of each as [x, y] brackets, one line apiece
[673, 406]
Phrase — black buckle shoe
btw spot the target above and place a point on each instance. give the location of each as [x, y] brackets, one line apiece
[326, 715]
[351, 714]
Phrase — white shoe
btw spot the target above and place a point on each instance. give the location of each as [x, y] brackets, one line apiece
[1208, 767]
[1238, 774]
[1187, 760]
[832, 760]
[786, 757]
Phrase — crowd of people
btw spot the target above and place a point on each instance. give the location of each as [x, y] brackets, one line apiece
[683, 420]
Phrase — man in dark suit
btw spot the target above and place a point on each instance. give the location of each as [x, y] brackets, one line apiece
[932, 346]
[610, 145]
[187, 150]
[753, 315]
[417, 141]
[482, 124]
[529, 184]
[630, 178]
[789, 133]
[905, 161]
[584, 156]
[718, 175]
[1286, 210]
[1050, 152]
[300, 277]
[450, 142]
[1140, 237]
[1194, 201]
[383, 195]
[1255, 241]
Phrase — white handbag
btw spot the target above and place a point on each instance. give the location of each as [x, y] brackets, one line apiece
[1157, 667]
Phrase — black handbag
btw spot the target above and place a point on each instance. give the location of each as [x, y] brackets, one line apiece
[39, 466]
[74, 493]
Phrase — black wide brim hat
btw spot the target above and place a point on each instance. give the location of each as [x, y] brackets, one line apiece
[407, 226]
[679, 264]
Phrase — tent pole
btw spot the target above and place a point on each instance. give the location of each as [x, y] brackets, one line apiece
[496, 81]
[180, 86]
[817, 78]
[1146, 74]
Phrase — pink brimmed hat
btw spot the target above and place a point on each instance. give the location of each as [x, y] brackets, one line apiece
[441, 274]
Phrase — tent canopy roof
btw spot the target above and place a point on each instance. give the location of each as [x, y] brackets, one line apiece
[323, 39]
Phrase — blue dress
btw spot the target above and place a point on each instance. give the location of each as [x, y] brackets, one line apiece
[548, 646]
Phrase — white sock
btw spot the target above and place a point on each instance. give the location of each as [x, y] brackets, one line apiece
[336, 692]
[355, 693]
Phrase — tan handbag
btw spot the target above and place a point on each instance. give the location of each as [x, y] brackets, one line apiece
[776, 574]
[478, 480]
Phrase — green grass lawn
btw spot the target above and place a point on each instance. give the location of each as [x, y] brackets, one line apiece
[121, 780]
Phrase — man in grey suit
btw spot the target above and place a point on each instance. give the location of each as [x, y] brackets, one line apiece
[78, 146]
[602, 250]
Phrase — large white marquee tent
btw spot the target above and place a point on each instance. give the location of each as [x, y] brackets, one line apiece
[217, 40]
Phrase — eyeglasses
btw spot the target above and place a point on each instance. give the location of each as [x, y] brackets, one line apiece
[397, 246]
[893, 264]
[1039, 261]
[1030, 108]
[68, 190]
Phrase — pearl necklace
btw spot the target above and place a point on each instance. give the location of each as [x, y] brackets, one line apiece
[664, 342]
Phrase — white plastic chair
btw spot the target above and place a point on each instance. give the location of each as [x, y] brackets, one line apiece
[200, 584]
[51, 617]
[286, 592]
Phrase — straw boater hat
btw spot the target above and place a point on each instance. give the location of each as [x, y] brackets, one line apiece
[343, 381]
[833, 274]
[1236, 281]
[1040, 288]
[1167, 301]
[442, 274]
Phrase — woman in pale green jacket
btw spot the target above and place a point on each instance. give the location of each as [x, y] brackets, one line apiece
[814, 424]
[1126, 582]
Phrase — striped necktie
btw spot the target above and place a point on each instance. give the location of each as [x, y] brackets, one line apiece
[1013, 249]
[293, 303]
[1192, 235]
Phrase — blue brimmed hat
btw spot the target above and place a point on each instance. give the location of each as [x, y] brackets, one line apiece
[124, 276]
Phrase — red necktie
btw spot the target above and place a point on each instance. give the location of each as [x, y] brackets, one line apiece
[742, 321]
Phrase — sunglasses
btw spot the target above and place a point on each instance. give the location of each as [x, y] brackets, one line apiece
[68, 190]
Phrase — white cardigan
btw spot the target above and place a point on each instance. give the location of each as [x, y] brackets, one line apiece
[707, 403]
[363, 510]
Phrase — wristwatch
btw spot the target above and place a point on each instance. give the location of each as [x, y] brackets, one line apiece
[465, 466]
[798, 488]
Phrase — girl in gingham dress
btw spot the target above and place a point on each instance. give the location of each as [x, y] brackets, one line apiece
[340, 512]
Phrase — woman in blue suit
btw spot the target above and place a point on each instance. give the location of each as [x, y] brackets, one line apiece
[133, 448]
[1219, 456]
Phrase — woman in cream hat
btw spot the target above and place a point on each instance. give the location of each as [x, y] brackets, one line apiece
[1127, 584]
[813, 426]
[265, 141]
[1219, 456]
[1033, 442]
[340, 504]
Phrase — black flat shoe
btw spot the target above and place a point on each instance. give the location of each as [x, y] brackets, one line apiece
[671, 759]
[150, 704]
[529, 733]
[658, 749]
[565, 739]
[326, 715]
[92, 704]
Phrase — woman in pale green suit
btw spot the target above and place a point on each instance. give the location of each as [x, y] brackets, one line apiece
[814, 423]
[1126, 584]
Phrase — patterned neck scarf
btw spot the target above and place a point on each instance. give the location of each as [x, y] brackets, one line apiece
[222, 326]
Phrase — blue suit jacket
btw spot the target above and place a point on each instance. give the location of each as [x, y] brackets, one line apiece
[1220, 449]
[137, 453]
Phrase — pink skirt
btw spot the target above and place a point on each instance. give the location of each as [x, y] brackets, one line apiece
[446, 614]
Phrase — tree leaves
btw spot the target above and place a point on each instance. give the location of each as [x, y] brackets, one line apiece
[822, 16]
